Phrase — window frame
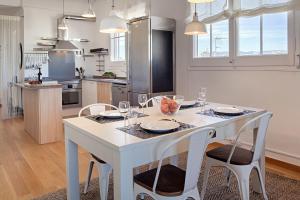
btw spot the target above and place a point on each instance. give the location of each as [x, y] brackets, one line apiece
[234, 60]
[113, 61]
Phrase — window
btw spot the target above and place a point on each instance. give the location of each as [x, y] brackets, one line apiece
[263, 35]
[215, 43]
[118, 47]
[263, 40]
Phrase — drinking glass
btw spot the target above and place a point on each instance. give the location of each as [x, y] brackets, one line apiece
[132, 118]
[142, 99]
[202, 97]
[124, 107]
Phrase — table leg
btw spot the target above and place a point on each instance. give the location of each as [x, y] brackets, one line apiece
[256, 182]
[123, 177]
[72, 170]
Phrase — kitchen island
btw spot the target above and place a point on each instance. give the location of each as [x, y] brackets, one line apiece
[42, 106]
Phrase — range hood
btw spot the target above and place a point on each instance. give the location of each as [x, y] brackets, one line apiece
[62, 41]
[65, 45]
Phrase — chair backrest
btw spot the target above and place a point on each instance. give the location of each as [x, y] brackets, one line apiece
[154, 101]
[261, 122]
[96, 108]
[197, 143]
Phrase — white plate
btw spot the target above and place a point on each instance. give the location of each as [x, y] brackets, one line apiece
[111, 115]
[160, 126]
[228, 110]
[188, 103]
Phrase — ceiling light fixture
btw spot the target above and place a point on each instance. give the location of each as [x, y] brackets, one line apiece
[90, 12]
[63, 24]
[113, 23]
[195, 27]
[200, 1]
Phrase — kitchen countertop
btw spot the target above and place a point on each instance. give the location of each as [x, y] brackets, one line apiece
[38, 86]
[117, 80]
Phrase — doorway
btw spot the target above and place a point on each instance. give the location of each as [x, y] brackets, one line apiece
[11, 60]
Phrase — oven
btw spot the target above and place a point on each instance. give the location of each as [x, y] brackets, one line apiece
[71, 94]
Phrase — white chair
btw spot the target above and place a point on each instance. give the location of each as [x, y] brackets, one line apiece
[169, 181]
[238, 160]
[104, 169]
[154, 101]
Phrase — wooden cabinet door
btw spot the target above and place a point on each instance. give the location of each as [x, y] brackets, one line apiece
[104, 92]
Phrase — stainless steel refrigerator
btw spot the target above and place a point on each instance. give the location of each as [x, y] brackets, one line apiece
[151, 57]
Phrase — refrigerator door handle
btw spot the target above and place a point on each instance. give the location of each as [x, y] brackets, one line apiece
[21, 55]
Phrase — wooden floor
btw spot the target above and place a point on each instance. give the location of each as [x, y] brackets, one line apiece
[29, 170]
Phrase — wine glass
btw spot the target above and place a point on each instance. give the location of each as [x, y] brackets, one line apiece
[133, 115]
[124, 107]
[142, 99]
[202, 97]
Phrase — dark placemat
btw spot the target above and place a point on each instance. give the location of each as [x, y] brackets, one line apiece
[103, 120]
[211, 113]
[143, 134]
[197, 105]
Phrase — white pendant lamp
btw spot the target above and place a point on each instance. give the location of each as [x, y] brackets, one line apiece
[200, 1]
[113, 23]
[195, 27]
[90, 12]
[63, 24]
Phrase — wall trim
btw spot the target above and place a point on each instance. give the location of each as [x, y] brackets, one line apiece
[254, 68]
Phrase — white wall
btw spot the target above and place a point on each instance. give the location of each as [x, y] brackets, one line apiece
[11, 2]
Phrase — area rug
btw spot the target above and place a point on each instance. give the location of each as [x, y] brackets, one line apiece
[278, 188]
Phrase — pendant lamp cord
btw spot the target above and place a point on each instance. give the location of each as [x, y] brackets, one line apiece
[113, 4]
[63, 8]
[195, 9]
[90, 4]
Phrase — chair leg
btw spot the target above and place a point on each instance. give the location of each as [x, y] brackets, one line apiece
[88, 177]
[104, 171]
[262, 182]
[173, 160]
[205, 177]
[228, 177]
[196, 195]
[142, 196]
[244, 187]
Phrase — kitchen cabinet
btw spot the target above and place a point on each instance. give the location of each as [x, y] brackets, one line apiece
[104, 92]
[96, 92]
[89, 92]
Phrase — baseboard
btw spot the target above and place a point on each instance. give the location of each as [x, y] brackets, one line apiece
[283, 164]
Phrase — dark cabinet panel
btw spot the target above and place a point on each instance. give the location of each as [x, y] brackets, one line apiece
[162, 61]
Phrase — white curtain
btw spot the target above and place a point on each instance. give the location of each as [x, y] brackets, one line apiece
[224, 9]
[9, 64]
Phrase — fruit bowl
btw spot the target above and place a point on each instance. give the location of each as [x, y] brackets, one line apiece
[169, 105]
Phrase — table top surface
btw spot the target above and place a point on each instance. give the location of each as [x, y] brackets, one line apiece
[108, 133]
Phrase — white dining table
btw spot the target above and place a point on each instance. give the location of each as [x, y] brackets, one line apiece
[124, 151]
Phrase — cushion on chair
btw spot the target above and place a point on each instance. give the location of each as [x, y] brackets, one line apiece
[98, 159]
[170, 181]
[240, 156]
